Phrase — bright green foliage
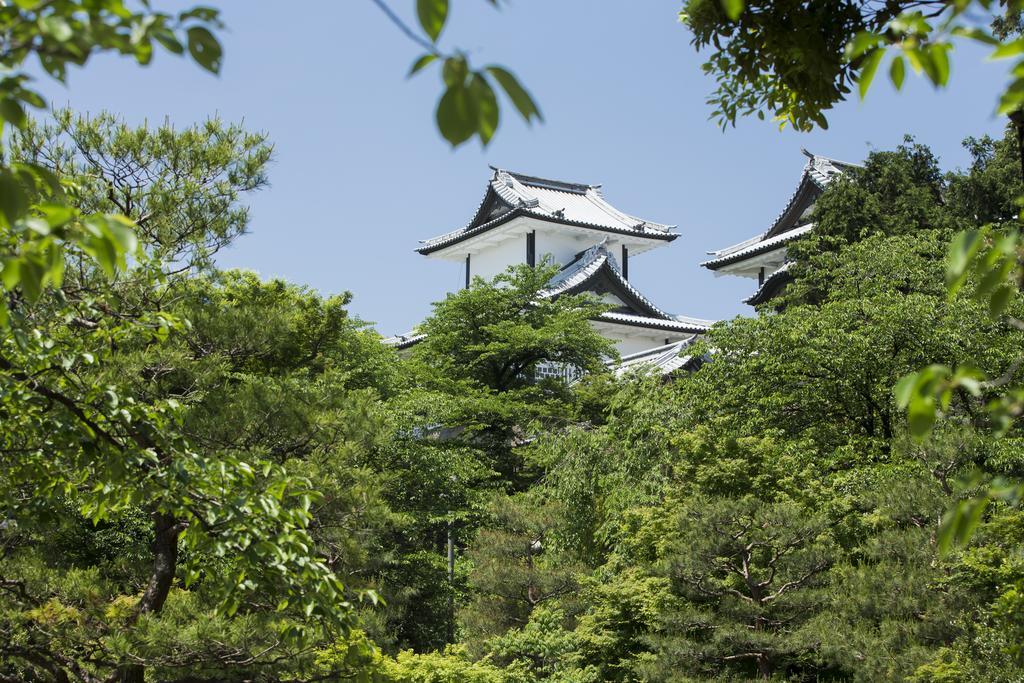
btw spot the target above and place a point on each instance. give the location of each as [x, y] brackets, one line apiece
[38, 219]
[478, 368]
[517, 565]
[495, 334]
[784, 60]
[180, 188]
[180, 431]
[451, 667]
[793, 62]
[771, 514]
[749, 574]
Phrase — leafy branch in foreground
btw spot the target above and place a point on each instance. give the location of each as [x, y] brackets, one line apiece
[37, 218]
[793, 62]
[469, 105]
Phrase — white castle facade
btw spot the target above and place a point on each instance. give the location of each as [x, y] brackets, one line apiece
[522, 219]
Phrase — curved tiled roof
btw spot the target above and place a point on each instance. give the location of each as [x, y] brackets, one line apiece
[661, 359]
[668, 324]
[596, 259]
[770, 285]
[573, 204]
[747, 249]
[817, 173]
[403, 341]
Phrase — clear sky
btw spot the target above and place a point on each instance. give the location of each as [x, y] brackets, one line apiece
[360, 173]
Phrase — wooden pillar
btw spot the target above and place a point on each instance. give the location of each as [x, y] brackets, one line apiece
[531, 248]
[625, 262]
[467, 271]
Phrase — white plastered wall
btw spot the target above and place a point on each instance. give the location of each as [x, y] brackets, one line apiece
[629, 339]
[495, 258]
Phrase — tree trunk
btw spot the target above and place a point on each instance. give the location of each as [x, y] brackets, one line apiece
[165, 564]
[764, 666]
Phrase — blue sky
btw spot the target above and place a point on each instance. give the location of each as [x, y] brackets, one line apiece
[360, 173]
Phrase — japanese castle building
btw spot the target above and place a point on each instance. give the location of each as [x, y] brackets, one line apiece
[764, 256]
[522, 219]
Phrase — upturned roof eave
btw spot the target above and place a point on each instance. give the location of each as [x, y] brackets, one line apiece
[651, 323]
[439, 243]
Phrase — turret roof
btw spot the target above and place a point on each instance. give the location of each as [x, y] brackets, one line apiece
[510, 195]
[817, 173]
[584, 273]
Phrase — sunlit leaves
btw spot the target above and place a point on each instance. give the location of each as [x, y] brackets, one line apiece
[109, 239]
[432, 15]
[733, 8]
[962, 519]
[794, 66]
[204, 48]
[923, 394]
[517, 93]
[62, 33]
[469, 106]
[988, 259]
[959, 523]
[897, 71]
[421, 62]
[868, 69]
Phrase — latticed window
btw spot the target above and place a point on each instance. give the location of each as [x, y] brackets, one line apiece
[565, 372]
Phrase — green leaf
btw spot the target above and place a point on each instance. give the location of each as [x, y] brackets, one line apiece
[958, 524]
[975, 33]
[962, 251]
[733, 8]
[432, 15]
[897, 71]
[454, 71]
[999, 301]
[423, 61]
[487, 106]
[204, 48]
[939, 53]
[12, 111]
[32, 98]
[921, 416]
[1011, 49]
[10, 274]
[35, 172]
[57, 27]
[170, 41]
[457, 117]
[519, 96]
[56, 215]
[861, 43]
[868, 69]
[123, 231]
[32, 279]
[109, 239]
[13, 202]
[904, 389]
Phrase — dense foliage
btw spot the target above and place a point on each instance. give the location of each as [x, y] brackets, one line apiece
[214, 477]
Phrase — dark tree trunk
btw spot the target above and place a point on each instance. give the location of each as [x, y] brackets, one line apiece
[165, 563]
